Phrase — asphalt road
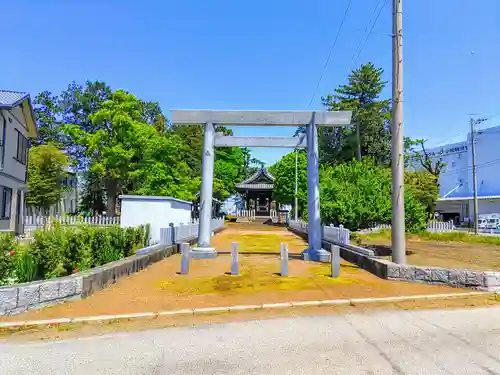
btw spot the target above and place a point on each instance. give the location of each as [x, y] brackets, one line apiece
[394, 342]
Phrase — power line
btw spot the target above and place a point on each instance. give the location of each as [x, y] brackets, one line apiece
[364, 41]
[331, 51]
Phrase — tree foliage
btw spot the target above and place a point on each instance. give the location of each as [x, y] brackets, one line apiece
[47, 168]
[370, 113]
[424, 187]
[418, 157]
[358, 194]
[284, 183]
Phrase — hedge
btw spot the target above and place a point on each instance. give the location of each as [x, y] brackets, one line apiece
[61, 251]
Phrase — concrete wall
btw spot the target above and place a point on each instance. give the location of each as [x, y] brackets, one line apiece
[159, 212]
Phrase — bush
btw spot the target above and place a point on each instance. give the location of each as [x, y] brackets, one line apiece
[62, 251]
[8, 249]
[358, 194]
[25, 266]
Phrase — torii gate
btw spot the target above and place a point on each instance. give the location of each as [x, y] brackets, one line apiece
[209, 119]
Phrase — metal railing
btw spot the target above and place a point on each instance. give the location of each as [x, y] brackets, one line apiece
[175, 234]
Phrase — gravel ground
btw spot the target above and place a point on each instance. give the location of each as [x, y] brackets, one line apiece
[389, 342]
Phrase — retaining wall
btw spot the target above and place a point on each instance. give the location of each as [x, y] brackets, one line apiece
[459, 278]
[20, 298]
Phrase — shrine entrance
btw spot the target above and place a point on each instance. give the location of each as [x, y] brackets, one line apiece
[309, 119]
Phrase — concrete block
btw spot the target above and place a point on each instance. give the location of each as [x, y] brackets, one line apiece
[423, 274]
[28, 295]
[49, 290]
[407, 273]
[393, 271]
[78, 285]
[440, 275]
[491, 279]
[17, 310]
[8, 299]
[474, 278]
[67, 287]
[457, 277]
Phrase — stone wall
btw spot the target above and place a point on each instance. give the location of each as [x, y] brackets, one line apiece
[19, 298]
[459, 278]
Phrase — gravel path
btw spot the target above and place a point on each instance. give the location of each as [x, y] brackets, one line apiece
[391, 342]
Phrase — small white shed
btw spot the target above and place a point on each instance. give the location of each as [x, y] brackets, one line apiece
[159, 212]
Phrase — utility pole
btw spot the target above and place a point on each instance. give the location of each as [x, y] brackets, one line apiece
[397, 151]
[473, 124]
[296, 208]
[474, 178]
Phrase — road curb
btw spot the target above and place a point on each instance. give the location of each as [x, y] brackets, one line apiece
[229, 309]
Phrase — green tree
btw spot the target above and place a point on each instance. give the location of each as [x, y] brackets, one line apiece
[113, 143]
[48, 116]
[424, 187]
[47, 168]
[358, 194]
[284, 183]
[418, 157]
[370, 118]
[161, 169]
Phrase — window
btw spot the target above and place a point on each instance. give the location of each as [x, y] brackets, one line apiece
[22, 148]
[2, 145]
[6, 195]
[453, 164]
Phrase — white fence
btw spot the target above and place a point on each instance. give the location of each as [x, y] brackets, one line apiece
[40, 221]
[433, 226]
[171, 235]
[33, 223]
[246, 213]
[330, 233]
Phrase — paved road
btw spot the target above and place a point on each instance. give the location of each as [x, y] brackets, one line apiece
[424, 342]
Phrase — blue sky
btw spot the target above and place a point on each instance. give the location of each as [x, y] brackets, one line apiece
[259, 54]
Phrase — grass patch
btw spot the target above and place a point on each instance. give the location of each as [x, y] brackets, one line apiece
[253, 279]
[266, 243]
[464, 237]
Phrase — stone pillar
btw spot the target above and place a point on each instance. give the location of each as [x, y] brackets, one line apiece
[207, 177]
[314, 252]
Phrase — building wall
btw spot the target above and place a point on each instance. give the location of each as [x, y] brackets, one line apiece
[456, 178]
[159, 212]
[13, 167]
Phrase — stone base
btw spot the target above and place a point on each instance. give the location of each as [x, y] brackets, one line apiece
[203, 253]
[321, 255]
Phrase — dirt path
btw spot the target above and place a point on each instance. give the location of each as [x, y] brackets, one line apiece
[161, 288]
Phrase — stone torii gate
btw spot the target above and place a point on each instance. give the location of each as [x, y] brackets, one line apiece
[211, 118]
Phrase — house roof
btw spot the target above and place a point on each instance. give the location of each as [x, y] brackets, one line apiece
[253, 182]
[11, 99]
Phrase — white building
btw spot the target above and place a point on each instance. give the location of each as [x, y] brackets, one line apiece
[456, 187]
[159, 212]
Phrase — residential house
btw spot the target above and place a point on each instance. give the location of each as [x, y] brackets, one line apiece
[68, 203]
[17, 125]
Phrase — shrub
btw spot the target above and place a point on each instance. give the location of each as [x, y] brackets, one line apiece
[62, 251]
[25, 266]
[358, 194]
[48, 250]
[8, 249]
